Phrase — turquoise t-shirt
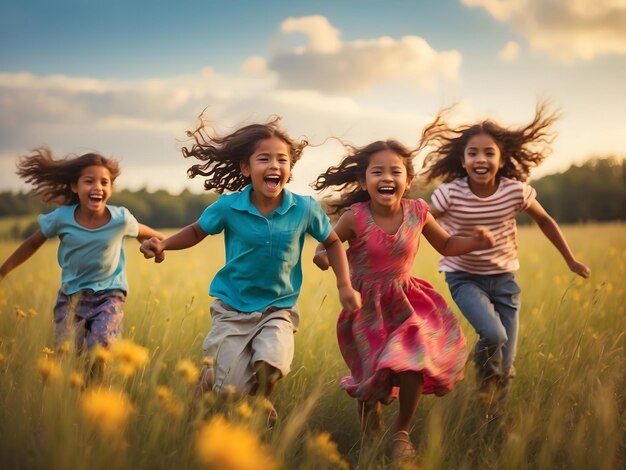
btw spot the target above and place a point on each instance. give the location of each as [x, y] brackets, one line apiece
[263, 255]
[90, 258]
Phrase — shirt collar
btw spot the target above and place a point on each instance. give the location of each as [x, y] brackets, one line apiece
[243, 202]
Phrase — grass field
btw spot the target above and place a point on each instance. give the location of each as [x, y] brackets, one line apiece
[567, 406]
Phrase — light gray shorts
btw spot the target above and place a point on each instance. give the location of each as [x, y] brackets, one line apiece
[237, 341]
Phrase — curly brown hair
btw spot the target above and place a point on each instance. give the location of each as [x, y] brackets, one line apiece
[222, 155]
[349, 174]
[521, 149]
[52, 178]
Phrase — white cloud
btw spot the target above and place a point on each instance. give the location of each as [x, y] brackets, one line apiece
[326, 64]
[143, 122]
[254, 65]
[323, 37]
[510, 52]
[501, 10]
[566, 30]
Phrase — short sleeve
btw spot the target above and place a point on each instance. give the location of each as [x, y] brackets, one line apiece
[319, 225]
[529, 195]
[440, 199]
[49, 223]
[131, 224]
[212, 219]
[422, 209]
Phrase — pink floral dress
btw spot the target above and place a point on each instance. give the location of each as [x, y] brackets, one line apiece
[404, 324]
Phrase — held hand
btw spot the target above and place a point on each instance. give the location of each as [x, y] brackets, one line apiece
[580, 269]
[321, 260]
[350, 299]
[484, 237]
[152, 248]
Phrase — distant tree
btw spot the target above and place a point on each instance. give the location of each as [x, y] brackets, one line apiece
[593, 191]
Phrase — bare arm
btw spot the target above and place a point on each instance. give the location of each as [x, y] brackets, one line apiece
[552, 231]
[186, 238]
[433, 210]
[454, 245]
[349, 298]
[23, 252]
[146, 232]
[345, 230]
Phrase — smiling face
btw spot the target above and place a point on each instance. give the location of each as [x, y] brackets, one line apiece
[482, 160]
[386, 179]
[269, 168]
[93, 188]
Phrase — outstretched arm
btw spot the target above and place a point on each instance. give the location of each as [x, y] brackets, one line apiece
[350, 299]
[552, 231]
[23, 252]
[186, 238]
[345, 230]
[146, 232]
[454, 245]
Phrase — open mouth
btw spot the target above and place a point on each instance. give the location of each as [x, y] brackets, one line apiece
[95, 197]
[387, 190]
[481, 171]
[272, 182]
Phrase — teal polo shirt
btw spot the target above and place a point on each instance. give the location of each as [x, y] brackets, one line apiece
[263, 255]
[90, 258]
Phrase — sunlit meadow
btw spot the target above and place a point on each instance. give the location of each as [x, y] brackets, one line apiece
[566, 409]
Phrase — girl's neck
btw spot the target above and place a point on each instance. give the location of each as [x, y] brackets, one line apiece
[388, 218]
[90, 219]
[264, 205]
[483, 190]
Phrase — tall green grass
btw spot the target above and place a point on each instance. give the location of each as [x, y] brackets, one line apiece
[566, 408]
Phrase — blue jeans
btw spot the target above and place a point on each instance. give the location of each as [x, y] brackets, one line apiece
[491, 304]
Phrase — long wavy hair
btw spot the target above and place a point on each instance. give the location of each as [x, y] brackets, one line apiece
[52, 178]
[521, 149]
[222, 155]
[348, 175]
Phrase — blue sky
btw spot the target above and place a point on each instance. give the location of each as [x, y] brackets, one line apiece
[127, 78]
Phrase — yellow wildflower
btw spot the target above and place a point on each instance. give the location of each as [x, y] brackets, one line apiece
[209, 399]
[32, 312]
[322, 447]
[46, 350]
[19, 312]
[108, 410]
[77, 380]
[48, 368]
[168, 401]
[230, 391]
[101, 354]
[64, 347]
[223, 445]
[127, 351]
[244, 410]
[207, 361]
[188, 370]
[130, 356]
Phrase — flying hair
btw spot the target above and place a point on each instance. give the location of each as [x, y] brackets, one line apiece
[348, 175]
[52, 178]
[521, 148]
[222, 155]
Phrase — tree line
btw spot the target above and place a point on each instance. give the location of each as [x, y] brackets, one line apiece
[591, 192]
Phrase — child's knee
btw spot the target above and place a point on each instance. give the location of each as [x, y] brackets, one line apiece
[493, 336]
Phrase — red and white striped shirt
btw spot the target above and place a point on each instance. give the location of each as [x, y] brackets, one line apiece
[461, 210]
